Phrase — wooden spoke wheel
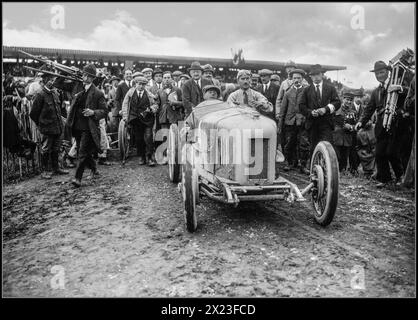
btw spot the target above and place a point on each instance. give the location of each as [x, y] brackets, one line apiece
[173, 154]
[123, 140]
[325, 177]
[190, 189]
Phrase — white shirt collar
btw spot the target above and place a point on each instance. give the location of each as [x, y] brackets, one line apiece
[320, 84]
[87, 87]
[267, 85]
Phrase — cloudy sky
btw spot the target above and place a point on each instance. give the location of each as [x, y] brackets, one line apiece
[326, 33]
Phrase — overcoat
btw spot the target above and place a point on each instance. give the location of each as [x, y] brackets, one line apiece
[95, 101]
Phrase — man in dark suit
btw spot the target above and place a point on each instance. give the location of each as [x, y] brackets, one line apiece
[269, 89]
[46, 113]
[122, 89]
[192, 90]
[318, 104]
[88, 107]
[387, 141]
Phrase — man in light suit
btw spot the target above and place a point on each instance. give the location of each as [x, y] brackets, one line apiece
[318, 104]
[176, 78]
[192, 90]
[147, 72]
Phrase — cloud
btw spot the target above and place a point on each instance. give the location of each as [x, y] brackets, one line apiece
[402, 7]
[122, 33]
[306, 33]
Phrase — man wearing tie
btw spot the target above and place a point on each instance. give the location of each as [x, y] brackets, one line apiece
[387, 142]
[291, 124]
[121, 91]
[88, 107]
[148, 75]
[158, 81]
[318, 105]
[245, 96]
[268, 88]
[192, 90]
[138, 110]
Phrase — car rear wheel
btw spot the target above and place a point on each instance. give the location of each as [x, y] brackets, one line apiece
[173, 154]
[325, 177]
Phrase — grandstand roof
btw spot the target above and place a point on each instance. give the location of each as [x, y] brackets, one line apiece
[54, 53]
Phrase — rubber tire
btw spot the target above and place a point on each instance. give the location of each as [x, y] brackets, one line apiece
[173, 154]
[332, 173]
[189, 177]
[123, 141]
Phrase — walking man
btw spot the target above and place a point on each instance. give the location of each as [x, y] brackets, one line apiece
[88, 107]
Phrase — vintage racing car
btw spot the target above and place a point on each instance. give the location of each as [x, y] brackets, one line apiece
[227, 153]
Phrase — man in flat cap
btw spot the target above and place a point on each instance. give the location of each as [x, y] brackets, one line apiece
[192, 89]
[268, 89]
[291, 125]
[318, 104]
[245, 96]
[208, 73]
[176, 78]
[387, 142]
[158, 81]
[182, 80]
[211, 92]
[275, 78]
[148, 75]
[139, 109]
[344, 136]
[255, 81]
[46, 113]
[287, 83]
[88, 107]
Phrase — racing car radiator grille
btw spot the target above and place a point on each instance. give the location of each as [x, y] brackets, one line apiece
[259, 167]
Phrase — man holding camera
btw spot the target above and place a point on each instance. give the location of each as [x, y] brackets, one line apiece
[387, 142]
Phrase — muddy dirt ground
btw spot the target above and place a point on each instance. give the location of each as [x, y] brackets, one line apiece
[123, 235]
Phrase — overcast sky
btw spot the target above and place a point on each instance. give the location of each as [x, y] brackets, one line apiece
[304, 32]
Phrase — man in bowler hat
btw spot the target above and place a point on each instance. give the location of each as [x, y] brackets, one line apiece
[387, 142]
[318, 104]
[192, 90]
